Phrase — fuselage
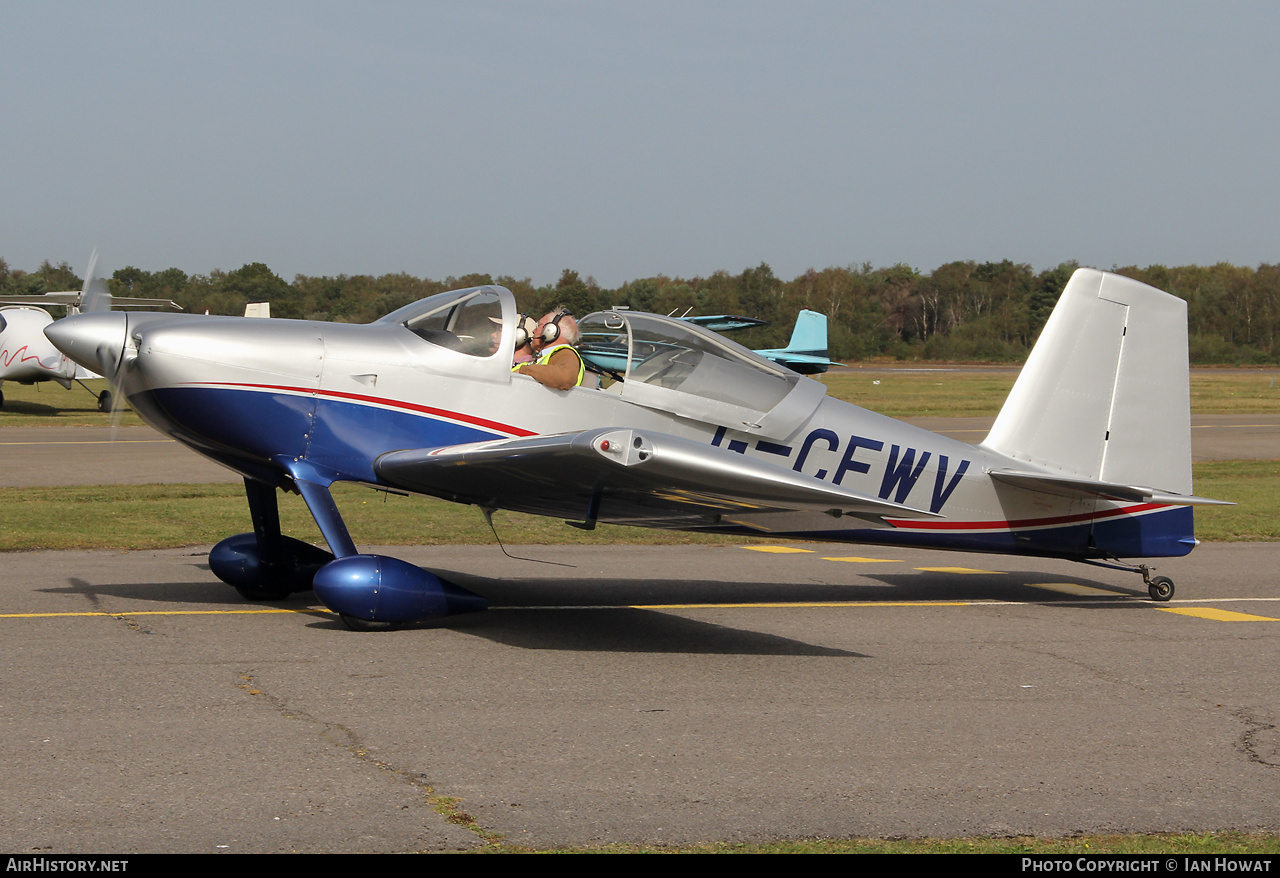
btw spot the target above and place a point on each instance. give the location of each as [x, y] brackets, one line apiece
[259, 395]
[26, 356]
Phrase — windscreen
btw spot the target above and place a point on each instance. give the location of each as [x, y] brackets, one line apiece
[468, 321]
[677, 355]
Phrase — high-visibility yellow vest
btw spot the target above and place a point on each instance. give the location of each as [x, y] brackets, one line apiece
[544, 359]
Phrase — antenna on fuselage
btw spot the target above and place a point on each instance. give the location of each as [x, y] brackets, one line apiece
[487, 512]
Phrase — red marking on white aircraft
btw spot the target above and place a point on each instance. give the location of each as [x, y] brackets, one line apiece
[11, 357]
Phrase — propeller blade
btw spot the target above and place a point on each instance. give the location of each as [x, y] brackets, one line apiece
[95, 296]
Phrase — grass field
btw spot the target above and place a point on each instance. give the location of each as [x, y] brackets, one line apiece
[1208, 843]
[977, 392]
[940, 390]
[166, 516]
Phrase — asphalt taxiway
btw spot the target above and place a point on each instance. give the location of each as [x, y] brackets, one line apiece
[656, 695]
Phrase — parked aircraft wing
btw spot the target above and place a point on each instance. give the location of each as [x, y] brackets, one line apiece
[621, 476]
[725, 322]
[74, 299]
[1130, 493]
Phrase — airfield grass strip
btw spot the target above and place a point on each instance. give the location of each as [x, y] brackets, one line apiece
[918, 391]
[168, 516]
[1254, 485]
[1190, 844]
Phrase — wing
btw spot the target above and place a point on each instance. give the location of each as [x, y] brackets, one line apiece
[621, 476]
[725, 322]
[75, 299]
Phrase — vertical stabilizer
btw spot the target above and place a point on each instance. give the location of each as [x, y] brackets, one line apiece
[1105, 394]
[807, 352]
[810, 334]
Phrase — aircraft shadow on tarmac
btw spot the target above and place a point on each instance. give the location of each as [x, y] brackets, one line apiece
[1012, 586]
[611, 615]
[630, 630]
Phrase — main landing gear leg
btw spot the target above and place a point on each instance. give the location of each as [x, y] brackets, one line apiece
[374, 592]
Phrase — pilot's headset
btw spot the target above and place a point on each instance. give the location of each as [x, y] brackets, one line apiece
[524, 326]
[551, 331]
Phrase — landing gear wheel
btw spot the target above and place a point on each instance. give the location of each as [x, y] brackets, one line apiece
[1160, 588]
[262, 595]
[363, 624]
[104, 401]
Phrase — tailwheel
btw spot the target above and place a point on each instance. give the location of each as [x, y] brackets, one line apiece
[1160, 588]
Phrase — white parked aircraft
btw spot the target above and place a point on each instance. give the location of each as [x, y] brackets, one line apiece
[28, 357]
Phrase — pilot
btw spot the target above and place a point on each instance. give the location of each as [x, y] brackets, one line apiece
[525, 328]
[558, 364]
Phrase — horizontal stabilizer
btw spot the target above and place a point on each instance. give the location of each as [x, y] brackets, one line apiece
[620, 476]
[1128, 493]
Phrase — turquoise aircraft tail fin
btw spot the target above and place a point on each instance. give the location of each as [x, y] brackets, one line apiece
[807, 352]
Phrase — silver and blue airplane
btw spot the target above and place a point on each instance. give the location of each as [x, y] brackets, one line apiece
[1089, 459]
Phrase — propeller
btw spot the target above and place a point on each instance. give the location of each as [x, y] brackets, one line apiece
[94, 335]
[94, 295]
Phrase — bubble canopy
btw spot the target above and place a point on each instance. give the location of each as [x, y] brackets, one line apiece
[677, 366]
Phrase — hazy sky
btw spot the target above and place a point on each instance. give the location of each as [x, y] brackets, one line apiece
[626, 139]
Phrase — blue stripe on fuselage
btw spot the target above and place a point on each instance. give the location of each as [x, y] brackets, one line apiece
[1166, 533]
[346, 437]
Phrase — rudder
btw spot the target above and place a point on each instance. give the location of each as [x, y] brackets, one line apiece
[1105, 393]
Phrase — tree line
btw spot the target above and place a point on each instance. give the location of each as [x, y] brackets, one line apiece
[961, 311]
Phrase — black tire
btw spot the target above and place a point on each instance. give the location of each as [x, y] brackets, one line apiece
[1160, 588]
[363, 624]
[104, 401]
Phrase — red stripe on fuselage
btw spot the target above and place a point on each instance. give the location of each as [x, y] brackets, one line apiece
[392, 403]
